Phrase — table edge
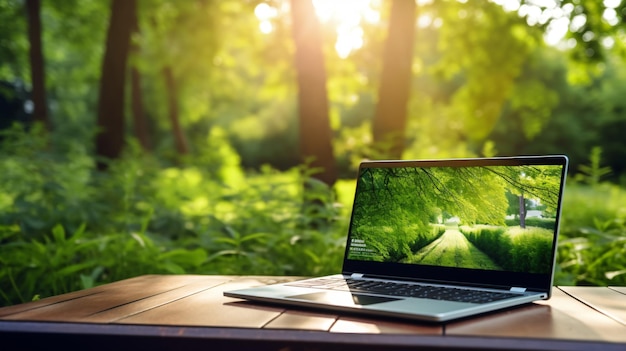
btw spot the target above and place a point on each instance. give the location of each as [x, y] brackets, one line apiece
[105, 335]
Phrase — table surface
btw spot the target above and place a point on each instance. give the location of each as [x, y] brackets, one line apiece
[174, 311]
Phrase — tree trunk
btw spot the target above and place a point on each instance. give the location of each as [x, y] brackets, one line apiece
[522, 211]
[314, 124]
[394, 90]
[110, 140]
[172, 103]
[40, 112]
[140, 121]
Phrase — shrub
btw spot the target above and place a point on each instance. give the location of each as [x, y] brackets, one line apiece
[424, 238]
[65, 225]
[592, 239]
[513, 248]
[547, 223]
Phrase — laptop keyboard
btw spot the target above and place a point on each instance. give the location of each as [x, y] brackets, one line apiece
[405, 290]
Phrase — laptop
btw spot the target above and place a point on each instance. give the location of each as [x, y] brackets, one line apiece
[437, 240]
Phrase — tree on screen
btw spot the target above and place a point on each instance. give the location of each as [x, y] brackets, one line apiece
[531, 182]
[405, 203]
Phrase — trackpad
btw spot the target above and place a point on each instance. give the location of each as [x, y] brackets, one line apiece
[342, 298]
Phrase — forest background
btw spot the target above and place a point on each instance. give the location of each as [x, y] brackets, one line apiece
[222, 137]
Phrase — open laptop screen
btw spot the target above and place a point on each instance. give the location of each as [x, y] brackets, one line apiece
[489, 215]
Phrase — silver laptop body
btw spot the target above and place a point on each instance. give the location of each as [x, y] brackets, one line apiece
[437, 240]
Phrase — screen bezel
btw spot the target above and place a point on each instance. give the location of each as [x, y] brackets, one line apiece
[454, 275]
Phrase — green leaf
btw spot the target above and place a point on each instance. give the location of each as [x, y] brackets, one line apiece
[58, 233]
[183, 257]
[71, 269]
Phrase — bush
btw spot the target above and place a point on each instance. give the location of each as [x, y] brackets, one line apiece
[65, 225]
[424, 238]
[547, 223]
[592, 241]
[513, 248]
[491, 241]
[531, 249]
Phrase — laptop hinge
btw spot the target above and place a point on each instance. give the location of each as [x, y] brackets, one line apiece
[517, 290]
[356, 275]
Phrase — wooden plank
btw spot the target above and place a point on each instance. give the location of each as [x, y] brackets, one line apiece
[380, 325]
[561, 317]
[110, 296]
[16, 309]
[5, 311]
[142, 305]
[608, 301]
[211, 308]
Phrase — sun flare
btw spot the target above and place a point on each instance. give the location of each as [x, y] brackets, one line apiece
[346, 16]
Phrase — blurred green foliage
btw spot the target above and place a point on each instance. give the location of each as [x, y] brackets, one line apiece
[77, 227]
[592, 248]
[484, 83]
[65, 226]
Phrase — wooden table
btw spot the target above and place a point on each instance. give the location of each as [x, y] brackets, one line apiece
[189, 312]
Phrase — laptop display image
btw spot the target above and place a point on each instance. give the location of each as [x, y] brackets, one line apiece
[437, 240]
